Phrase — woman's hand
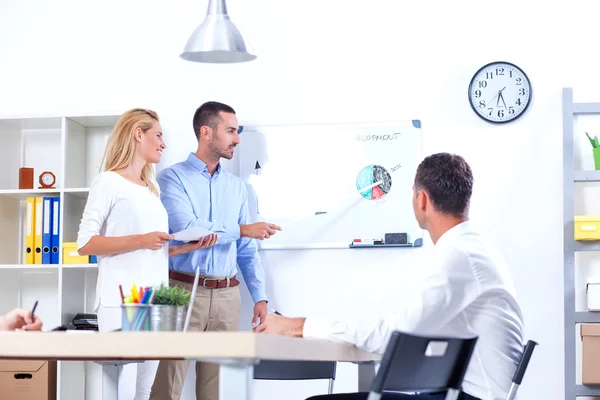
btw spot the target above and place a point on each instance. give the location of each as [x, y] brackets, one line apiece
[155, 240]
[203, 243]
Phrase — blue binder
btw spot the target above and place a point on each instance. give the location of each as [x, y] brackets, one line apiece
[46, 230]
[54, 241]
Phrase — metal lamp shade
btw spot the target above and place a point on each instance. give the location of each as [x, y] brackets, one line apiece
[217, 39]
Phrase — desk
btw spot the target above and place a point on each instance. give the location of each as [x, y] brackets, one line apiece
[235, 352]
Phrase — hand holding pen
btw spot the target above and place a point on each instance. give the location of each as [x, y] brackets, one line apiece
[21, 319]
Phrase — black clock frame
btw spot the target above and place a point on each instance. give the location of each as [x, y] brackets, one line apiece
[528, 100]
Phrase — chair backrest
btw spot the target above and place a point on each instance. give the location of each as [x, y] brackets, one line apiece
[521, 368]
[414, 363]
[294, 370]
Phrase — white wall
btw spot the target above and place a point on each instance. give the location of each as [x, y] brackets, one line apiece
[341, 61]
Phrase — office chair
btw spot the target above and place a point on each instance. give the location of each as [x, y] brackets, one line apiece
[521, 368]
[413, 363]
[296, 370]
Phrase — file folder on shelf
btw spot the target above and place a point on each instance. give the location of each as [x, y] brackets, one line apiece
[54, 241]
[46, 231]
[37, 241]
[29, 230]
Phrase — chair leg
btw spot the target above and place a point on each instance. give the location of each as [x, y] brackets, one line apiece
[330, 390]
[452, 394]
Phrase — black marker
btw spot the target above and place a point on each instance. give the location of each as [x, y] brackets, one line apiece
[275, 312]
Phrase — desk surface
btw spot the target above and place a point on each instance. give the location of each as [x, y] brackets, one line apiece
[173, 345]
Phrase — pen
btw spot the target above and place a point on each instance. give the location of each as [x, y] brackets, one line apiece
[33, 310]
[122, 295]
[275, 312]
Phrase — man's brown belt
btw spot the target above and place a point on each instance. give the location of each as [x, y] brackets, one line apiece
[207, 283]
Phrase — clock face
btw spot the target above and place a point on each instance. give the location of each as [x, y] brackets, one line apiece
[500, 92]
[48, 179]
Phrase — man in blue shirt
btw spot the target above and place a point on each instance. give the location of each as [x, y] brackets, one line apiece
[198, 192]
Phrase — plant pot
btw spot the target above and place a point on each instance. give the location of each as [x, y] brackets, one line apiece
[166, 318]
[596, 151]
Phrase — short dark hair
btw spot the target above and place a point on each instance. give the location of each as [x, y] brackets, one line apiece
[448, 180]
[208, 115]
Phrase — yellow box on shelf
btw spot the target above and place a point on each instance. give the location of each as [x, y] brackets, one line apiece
[587, 227]
[71, 256]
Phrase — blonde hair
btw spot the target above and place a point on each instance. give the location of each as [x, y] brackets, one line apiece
[121, 145]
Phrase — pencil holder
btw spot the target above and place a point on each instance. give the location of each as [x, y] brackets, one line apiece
[135, 317]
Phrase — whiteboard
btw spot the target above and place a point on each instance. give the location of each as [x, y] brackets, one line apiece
[328, 184]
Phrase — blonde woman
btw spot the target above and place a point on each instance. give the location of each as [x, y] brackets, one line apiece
[126, 226]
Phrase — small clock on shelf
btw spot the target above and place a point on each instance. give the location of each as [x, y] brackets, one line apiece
[47, 180]
[500, 92]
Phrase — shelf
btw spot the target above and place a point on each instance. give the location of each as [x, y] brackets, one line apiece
[73, 148]
[570, 149]
[47, 266]
[587, 176]
[79, 266]
[583, 390]
[32, 123]
[592, 245]
[23, 194]
[79, 192]
[29, 266]
[95, 121]
[587, 317]
[586, 108]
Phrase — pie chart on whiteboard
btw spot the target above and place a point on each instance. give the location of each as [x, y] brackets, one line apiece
[373, 182]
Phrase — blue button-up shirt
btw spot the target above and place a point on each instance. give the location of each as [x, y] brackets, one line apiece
[219, 203]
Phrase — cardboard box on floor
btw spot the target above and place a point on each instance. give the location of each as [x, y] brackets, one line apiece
[27, 379]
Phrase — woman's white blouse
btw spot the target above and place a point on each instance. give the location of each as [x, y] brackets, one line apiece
[118, 207]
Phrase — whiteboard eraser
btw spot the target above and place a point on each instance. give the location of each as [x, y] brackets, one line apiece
[396, 238]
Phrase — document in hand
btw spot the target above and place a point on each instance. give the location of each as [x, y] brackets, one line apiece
[192, 234]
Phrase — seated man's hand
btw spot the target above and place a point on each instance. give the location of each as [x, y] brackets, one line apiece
[279, 325]
[20, 319]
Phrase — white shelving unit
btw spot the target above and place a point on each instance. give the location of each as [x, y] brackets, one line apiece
[72, 148]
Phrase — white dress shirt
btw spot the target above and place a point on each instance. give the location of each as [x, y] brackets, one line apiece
[118, 207]
[468, 292]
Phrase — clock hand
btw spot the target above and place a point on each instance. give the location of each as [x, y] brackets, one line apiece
[502, 97]
[492, 99]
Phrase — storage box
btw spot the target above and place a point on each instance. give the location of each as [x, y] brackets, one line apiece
[27, 379]
[71, 256]
[587, 227]
[592, 290]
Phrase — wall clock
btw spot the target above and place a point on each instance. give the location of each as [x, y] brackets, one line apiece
[47, 180]
[500, 92]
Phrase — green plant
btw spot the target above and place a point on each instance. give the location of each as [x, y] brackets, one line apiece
[594, 141]
[172, 296]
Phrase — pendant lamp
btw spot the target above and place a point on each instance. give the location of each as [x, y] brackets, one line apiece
[217, 39]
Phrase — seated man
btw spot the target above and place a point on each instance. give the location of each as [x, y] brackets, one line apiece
[468, 292]
[20, 319]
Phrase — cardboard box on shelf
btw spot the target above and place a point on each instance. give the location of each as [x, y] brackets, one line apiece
[27, 379]
[587, 227]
